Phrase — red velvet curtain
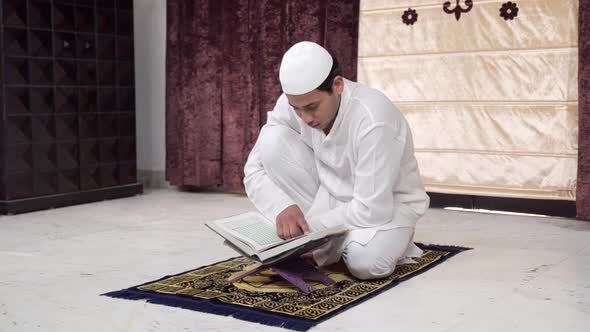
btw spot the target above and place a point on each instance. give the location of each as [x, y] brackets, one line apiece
[222, 62]
[583, 183]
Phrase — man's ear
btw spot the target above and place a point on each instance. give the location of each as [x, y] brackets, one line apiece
[338, 84]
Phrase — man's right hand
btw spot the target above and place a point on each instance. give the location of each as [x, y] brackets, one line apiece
[291, 223]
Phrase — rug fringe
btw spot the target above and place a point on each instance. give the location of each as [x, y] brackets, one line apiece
[452, 248]
[222, 309]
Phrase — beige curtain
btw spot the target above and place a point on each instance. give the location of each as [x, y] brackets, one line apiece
[492, 102]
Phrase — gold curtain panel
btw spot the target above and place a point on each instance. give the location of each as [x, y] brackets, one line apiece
[492, 102]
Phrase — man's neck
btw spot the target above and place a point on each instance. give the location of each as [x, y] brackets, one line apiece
[329, 127]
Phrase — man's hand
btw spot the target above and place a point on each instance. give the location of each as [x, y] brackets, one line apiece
[291, 223]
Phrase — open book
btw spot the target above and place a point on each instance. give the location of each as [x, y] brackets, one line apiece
[254, 236]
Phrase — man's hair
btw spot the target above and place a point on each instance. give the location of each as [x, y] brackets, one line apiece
[335, 71]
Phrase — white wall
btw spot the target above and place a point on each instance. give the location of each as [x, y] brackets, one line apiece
[150, 52]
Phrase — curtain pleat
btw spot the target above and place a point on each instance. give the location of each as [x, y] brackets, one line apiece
[583, 189]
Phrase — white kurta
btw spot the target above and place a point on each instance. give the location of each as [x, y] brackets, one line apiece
[365, 167]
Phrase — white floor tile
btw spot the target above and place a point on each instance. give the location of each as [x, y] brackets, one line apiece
[524, 273]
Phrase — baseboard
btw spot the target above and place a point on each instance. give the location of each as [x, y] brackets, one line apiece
[556, 208]
[80, 197]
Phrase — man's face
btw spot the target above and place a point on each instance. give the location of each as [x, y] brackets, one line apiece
[318, 108]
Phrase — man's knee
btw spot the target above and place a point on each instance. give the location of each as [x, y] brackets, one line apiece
[277, 139]
[368, 264]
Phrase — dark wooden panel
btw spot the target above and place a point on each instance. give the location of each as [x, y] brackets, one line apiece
[67, 102]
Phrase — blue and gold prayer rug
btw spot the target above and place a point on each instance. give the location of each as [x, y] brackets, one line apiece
[267, 299]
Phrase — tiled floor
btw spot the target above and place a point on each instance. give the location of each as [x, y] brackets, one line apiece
[525, 273]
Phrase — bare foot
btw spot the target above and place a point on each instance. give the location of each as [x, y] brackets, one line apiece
[308, 258]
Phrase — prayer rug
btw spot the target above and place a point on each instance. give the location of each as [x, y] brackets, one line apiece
[268, 299]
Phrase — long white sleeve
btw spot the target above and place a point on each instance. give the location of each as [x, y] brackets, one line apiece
[266, 195]
[379, 155]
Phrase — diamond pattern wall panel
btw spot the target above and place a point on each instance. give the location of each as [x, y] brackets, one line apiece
[19, 158]
[67, 155]
[125, 4]
[106, 47]
[107, 125]
[18, 129]
[43, 128]
[14, 13]
[66, 126]
[16, 71]
[65, 72]
[127, 173]
[125, 99]
[66, 100]
[106, 73]
[105, 4]
[45, 157]
[84, 19]
[124, 48]
[127, 124]
[109, 175]
[67, 96]
[86, 46]
[87, 101]
[64, 44]
[15, 41]
[41, 71]
[126, 147]
[40, 43]
[89, 153]
[125, 73]
[89, 178]
[88, 125]
[86, 72]
[108, 151]
[41, 100]
[63, 15]
[17, 100]
[85, 3]
[124, 23]
[68, 181]
[45, 183]
[40, 14]
[19, 185]
[106, 99]
[106, 20]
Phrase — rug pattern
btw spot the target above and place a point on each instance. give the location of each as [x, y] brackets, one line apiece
[277, 302]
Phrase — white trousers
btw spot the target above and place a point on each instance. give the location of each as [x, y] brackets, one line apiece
[291, 165]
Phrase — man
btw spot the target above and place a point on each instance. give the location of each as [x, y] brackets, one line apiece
[337, 152]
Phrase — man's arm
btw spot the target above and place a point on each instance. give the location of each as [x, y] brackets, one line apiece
[268, 197]
[380, 150]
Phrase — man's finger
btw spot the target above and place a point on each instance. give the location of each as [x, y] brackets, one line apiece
[286, 230]
[294, 230]
[280, 230]
[303, 225]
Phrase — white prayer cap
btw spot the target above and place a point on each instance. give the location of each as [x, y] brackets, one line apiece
[304, 67]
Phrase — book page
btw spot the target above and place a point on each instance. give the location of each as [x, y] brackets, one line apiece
[259, 232]
[253, 229]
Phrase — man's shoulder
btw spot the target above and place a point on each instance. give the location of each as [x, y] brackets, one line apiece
[373, 105]
[282, 100]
